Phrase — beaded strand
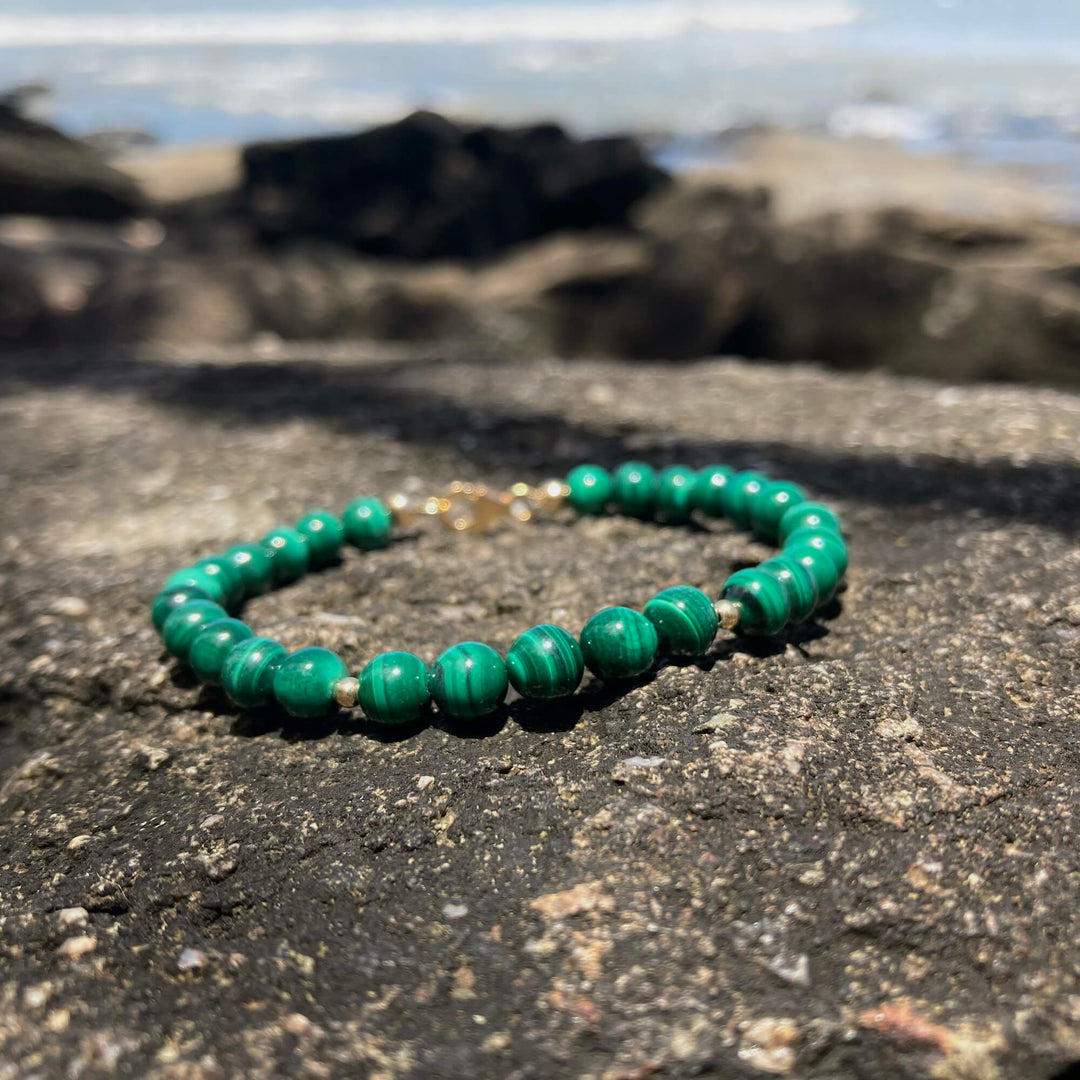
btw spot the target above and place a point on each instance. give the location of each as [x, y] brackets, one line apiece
[470, 680]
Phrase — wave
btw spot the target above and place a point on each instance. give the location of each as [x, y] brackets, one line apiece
[581, 23]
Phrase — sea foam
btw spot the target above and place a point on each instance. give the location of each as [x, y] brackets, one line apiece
[595, 22]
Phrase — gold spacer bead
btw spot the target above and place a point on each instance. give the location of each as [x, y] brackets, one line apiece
[347, 692]
[728, 612]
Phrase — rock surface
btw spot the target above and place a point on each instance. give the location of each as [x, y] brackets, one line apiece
[44, 172]
[426, 187]
[849, 855]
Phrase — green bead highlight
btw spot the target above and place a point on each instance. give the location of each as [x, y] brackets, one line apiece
[393, 688]
[304, 682]
[709, 486]
[247, 672]
[825, 540]
[590, 489]
[808, 515]
[740, 494]
[819, 565]
[770, 506]
[685, 621]
[184, 623]
[210, 581]
[674, 494]
[634, 488]
[798, 583]
[469, 680]
[290, 549]
[619, 643]
[545, 663]
[325, 535]
[368, 524]
[212, 644]
[764, 603]
[255, 564]
[230, 577]
[168, 600]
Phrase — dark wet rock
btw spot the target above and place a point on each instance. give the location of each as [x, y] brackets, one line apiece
[426, 187]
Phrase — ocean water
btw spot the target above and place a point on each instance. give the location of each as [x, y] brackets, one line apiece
[999, 79]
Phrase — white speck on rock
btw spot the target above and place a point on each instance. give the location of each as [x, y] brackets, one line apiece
[425, 782]
[794, 969]
[73, 918]
[73, 607]
[79, 841]
[455, 911]
[191, 960]
[212, 821]
[77, 947]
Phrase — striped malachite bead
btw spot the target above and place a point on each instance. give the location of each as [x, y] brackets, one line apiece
[764, 603]
[255, 565]
[304, 682]
[167, 601]
[231, 577]
[211, 645]
[685, 621]
[325, 535]
[468, 681]
[394, 688]
[184, 623]
[368, 524]
[709, 486]
[290, 550]
[819, 566]
[545, 663]
[674, 494]
[825, 539]
[590, 489]
[770, 506]
[634, 489]
[798, 584]
[247, 672]
[739, 494]
[808, 515]
[211, 582]
[619, 643]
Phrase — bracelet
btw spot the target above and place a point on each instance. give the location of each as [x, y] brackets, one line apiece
[470, 680]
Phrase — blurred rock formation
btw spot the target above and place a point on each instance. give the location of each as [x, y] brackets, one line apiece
[525, 240]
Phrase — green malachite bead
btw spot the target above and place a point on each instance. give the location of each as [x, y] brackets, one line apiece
[304, 682]
[674, 494]
[393, 688]
[469, 680]
[798, 583]
[368, 524]
[167, 601]
[545, 663]
[634, 487]
[290, 550]
[231, 577]
[212, 644]
[709, 486]
[739, 495]
[770, 506]
[325, 535]
[255, 564]
[819, 566]
[182, 626]
[808, 515]
[764, 603]
[210, 581]
[247, 673]
[619, 643]
[826, 540]
[685, 621]
[590, 489]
